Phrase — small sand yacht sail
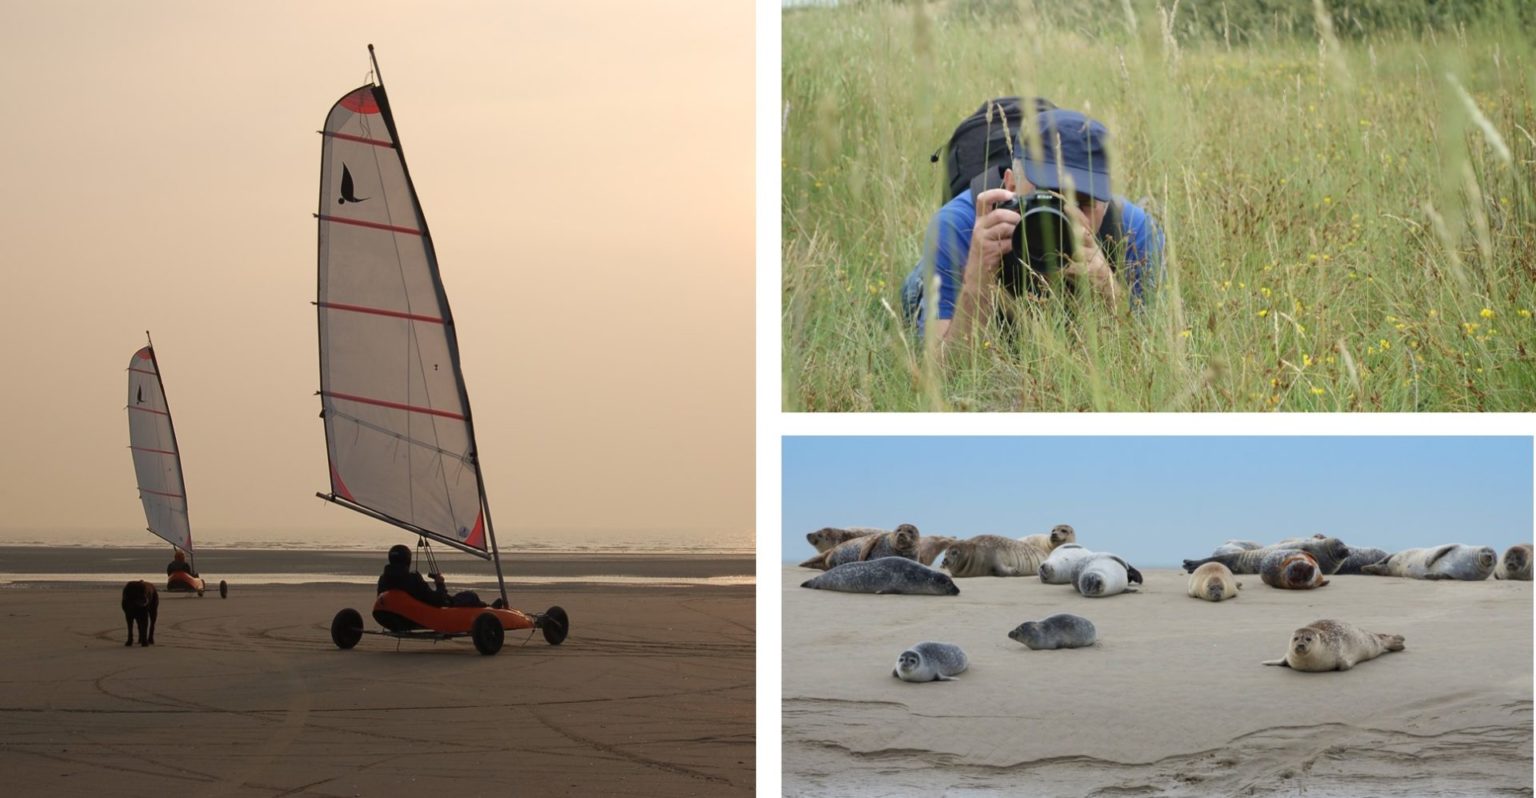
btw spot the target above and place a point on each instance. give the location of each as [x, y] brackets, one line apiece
[398, 431]
[157, 464]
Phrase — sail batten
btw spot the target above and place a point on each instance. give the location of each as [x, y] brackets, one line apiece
[156, 457]
[398, 434]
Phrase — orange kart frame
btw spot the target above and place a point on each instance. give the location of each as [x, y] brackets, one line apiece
[181, 581]
[405, 618]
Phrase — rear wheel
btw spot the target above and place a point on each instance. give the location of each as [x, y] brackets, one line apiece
[223, 589]
[347, 628]
[555, 625]
[488, 633]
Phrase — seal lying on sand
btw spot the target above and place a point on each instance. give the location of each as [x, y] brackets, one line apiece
[1451, 561]
[993, 555]
[930, 546]
[1062, 565]
[1059, 535]
[1326, 645]
[1213, 582]
[1330, 553]
[1291, 569]
[830, 536]
[930, 662]
[885, 575]
[1058, 631]
[901, 543]
[1359, 558]
[1515, 564]
[1105, 575]
[1236, 546]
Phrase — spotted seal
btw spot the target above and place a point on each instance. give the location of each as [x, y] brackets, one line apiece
[1515, 563]
[1329, 553]
[930, 662]
[1359, 558]
[993, 555]
[1062, 565]
[1061, 630]
[830, 536]
[900, 543]
[1105, 575]
[1291, 569]
[1326, 645]
[885, 575]
[1060, 535]
[1234, 546]
[1451, 561]
[1213, 582]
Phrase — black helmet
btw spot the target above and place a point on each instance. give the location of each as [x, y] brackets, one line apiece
[399, 555]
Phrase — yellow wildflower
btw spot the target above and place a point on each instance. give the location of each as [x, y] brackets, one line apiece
[1524, 314]
[1263, 313]
[1486, 313]
[1318, 391]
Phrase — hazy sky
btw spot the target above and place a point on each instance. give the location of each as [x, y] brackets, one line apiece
[1158, 500]
[586, 169]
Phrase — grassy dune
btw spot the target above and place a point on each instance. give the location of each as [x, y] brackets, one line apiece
[1351, 215]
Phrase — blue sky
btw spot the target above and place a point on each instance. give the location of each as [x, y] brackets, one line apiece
[1157, 500]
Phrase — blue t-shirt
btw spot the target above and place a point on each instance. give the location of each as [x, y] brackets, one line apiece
[949, 242]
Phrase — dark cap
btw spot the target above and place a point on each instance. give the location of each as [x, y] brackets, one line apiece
[399, 555]
[1071, 144]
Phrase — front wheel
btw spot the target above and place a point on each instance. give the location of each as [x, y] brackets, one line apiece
[555, 626]
[487, 633]
[347, 628]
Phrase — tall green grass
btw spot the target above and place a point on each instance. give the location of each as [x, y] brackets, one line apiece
[1350, 208]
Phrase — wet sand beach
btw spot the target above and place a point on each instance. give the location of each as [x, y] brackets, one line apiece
[1172, 701]
[652, 694]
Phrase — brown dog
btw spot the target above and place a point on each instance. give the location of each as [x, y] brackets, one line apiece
[141, 603]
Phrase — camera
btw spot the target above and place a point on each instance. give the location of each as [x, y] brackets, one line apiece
[1042, 239]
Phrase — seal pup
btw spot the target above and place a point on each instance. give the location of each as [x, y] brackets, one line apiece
[1451, 561]
[1359, 558]
[930, 662]
[1062, 565]
[1061, 630]
[830, 536]
[1105, 575]
[1329, 553]
[900, 543]
[993, 555]
[1213, 582]
[929, 547]
[885, 575]
[1059, 535]
[1291, 569]
[1233, 546]
[1515, 563]
[1325, 645]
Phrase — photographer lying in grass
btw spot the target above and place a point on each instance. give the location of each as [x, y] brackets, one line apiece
[1114, 247]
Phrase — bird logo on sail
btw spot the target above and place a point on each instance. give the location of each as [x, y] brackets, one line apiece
[141, 396]
[348, 193]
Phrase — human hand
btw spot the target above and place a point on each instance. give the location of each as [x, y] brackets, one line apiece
[1088, 260]
[992, 237]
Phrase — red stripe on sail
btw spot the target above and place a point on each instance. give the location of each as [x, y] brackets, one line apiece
[147, 410]
[147, 449]
[160, 493]
[359, 139]
[143, 354]
[393, 405]
[380, 312]
[477, 535]
[341, 487]
[142, 371]
[360, 101]
[375, 225]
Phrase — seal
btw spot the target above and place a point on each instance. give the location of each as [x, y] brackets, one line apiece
[1329, 553]
[1060, 535]
[930, 662]
[1515, 563]
[901, 543]
[1105, 575]
[1326, 645]
[830, 536]
[1359, 558]
[1291, 569]
[1451, 561]
[929, 547]
[885, 575]
[1234, 546]
[1062, 565]
[1213, 582]
[1057, 631]
[993, 555]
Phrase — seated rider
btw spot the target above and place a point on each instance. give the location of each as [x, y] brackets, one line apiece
[399, 576]
[179, 563]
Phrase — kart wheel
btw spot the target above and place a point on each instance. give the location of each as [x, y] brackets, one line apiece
[488, 633]
[555, 625]
[223, 589]
[347, 628]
